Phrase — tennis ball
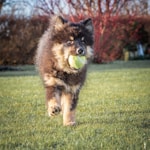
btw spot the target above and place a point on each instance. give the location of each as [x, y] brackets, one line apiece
[77, 62]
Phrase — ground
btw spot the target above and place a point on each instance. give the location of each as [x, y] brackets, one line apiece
[113, 110]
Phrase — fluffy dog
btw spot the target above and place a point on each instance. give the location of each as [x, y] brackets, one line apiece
[62, 82]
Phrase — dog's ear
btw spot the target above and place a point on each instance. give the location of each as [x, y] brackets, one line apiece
[58, 22]
[88, 24]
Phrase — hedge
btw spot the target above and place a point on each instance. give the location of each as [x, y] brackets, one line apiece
[19, 37]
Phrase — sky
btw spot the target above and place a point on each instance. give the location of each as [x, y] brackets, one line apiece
[25, 7]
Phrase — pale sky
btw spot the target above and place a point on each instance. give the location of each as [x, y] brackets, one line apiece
[25, 7]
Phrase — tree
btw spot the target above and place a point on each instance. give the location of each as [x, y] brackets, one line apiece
[108, 34]
[139, 7]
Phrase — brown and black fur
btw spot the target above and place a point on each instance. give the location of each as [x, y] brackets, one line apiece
[63, 83]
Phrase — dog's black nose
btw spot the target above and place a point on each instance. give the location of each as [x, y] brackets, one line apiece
[80, 51]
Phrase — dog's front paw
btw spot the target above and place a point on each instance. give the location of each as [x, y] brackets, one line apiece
[54, 110]
[54, 107]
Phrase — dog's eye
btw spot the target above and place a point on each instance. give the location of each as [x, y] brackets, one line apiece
[70, 42]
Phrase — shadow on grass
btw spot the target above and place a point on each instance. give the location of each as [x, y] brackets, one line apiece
[14, 71]
[30, 70]
[121, 65]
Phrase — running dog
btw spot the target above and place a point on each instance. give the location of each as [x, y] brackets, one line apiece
[62, 82]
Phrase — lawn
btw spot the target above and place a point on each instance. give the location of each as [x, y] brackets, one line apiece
[113, 111]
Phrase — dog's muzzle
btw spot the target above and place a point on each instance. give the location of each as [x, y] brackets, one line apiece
[80, 51]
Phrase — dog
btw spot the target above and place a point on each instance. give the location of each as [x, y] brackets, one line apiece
[62, 83]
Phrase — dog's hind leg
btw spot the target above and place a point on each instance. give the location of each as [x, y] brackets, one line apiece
[53, 101]
[69, 103]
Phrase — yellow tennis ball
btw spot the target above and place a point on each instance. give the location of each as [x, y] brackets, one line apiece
[77, 62]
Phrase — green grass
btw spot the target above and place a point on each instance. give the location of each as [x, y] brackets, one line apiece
[113, 111]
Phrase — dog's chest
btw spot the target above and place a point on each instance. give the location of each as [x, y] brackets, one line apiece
[71, 79]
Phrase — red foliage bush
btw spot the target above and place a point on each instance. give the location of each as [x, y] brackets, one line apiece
[111, 35]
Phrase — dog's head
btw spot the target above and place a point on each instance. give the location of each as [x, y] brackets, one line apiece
[71, 39]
